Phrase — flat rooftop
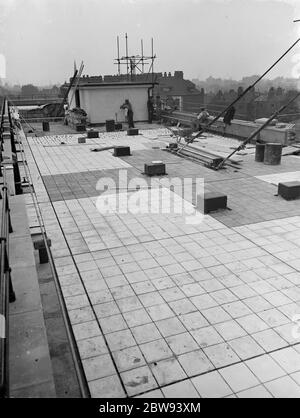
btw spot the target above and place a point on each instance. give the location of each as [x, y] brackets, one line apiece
[172, 304]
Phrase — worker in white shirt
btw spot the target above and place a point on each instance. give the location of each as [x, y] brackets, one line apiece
[66, 110]
[202, 117]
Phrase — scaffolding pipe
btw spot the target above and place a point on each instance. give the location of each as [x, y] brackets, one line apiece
[126, 38]
[118, 47]
[77, 82]
[203, 129]
[257, 131]
[67, 93]
[152, 56]
[142, 50]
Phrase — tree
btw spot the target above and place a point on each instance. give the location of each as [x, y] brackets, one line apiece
[271, 93]
[29, 90]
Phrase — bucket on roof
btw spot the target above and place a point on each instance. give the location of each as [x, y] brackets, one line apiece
[273, 154]
[46, 126]
[110, 125]
[259, 152]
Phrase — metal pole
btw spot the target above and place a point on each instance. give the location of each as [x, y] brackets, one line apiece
[118, 47]
[77, 82]
[257, 131]
[67, 93]
[142, 49]
[126, 38]
[152, 56]
[203, 129]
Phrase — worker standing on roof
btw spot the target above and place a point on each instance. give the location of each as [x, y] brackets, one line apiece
[66, 113]
[16, 117]
[229, 115]
[127, 105]
[202, 117]
[150, 107]
[158, 108]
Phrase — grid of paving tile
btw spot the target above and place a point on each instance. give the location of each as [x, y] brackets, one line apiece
[281, 177]
[61, 154]
[161, 308]
[82, 184]
[250, 199]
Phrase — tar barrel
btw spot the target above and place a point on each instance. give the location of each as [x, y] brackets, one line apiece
[259, 152]
[110, 125]
[46, 126]
[273, 154]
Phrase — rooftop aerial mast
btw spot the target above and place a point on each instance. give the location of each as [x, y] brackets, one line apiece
[135, 64]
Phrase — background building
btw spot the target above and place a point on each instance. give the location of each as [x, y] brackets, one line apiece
[174, 90]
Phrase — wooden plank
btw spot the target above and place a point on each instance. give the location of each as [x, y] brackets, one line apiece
[215, 153]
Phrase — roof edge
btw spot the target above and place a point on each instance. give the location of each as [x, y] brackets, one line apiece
[116, 84]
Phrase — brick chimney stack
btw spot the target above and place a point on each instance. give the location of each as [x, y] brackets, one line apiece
[178, 74]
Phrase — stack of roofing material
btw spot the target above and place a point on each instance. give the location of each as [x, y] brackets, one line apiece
[207, 157]
[216, 153]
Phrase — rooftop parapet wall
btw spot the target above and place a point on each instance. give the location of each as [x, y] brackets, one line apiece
[122, 78]
[240, 129]
[164, 78]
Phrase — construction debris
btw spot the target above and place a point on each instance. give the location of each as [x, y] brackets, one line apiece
[102, 149]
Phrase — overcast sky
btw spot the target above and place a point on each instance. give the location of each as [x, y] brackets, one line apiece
[224, 38]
